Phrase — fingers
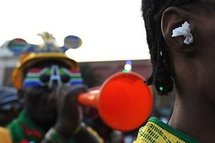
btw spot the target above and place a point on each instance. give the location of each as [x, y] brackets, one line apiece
[69, 111]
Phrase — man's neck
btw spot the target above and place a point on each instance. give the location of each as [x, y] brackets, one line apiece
[196, 119]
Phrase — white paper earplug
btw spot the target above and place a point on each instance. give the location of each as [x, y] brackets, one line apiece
[185, 31]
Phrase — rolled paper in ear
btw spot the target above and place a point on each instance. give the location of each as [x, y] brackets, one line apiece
[185, 31]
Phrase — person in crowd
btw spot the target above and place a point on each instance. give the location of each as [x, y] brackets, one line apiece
[180, 36]
[50, 83]
[10, 105]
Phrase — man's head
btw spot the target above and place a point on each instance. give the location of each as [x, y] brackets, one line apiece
[172, 60]
[152, 13]
[39, 73]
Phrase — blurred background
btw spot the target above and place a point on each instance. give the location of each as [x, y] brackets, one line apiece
[112, 32]
[105, 26]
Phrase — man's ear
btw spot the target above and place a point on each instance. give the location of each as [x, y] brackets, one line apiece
[172, 18]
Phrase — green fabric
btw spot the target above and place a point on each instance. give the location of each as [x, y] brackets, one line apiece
[22, 129]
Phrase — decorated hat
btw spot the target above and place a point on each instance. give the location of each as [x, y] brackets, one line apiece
[26, 75]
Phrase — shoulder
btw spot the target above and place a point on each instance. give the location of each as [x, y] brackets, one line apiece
[5, 135]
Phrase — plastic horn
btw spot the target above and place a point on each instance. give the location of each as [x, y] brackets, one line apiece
[124, 102]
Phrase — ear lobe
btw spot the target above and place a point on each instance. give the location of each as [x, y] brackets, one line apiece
[172, 18]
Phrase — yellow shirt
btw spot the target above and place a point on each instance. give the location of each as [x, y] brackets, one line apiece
[5, 135]
[156, 131]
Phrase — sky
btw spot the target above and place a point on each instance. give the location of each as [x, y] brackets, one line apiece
[110, 30]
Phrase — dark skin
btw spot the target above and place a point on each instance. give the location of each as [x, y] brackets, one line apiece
[193, 69]
[39, 109]
[59, 109]
[69, 110]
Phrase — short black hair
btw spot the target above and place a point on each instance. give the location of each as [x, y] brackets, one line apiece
[161, 77]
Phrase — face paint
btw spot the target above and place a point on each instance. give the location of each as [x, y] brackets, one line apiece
[55, 77]
[51, 77]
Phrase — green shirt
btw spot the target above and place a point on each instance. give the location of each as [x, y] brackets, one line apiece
[23, 130]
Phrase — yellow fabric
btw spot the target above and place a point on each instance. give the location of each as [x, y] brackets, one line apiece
[152, 133]
[156, 131]
[5, 136]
